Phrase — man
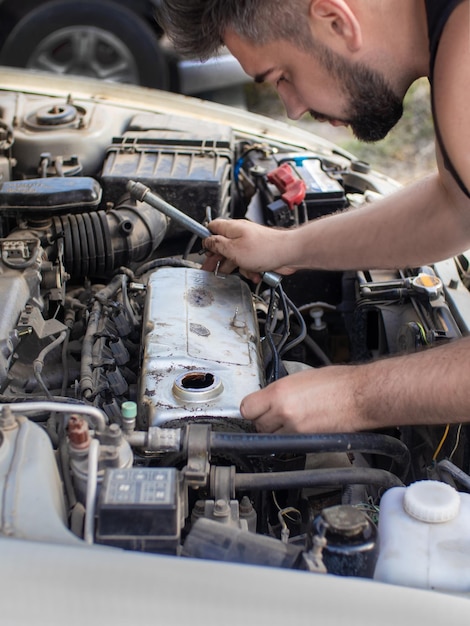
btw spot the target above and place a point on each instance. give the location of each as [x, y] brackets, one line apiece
[351, 62]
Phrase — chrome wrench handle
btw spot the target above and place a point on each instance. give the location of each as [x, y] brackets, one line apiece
[141, 192]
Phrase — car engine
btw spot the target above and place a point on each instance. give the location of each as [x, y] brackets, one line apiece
[123, 363]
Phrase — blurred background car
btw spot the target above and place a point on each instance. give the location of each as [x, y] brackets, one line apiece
[112, 40]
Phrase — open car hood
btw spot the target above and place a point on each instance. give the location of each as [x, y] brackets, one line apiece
[130, 487]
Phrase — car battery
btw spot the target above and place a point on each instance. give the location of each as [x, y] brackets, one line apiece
[141, 509]
[189, 168]
[293, 180]
[324, 194]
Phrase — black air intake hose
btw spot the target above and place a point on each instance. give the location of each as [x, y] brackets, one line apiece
[98, 242]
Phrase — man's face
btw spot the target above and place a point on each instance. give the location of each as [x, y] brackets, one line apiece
[322, 83]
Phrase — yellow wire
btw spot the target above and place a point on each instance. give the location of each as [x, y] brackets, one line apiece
[441, 443]
[446, 431]
[423, 333]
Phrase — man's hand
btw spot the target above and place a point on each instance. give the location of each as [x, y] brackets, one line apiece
[346, 398]
[311, 401]
[249, 246]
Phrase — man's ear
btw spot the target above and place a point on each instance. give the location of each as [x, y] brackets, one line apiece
[334, 23]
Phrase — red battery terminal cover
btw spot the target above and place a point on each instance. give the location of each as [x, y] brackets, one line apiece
[292, 188]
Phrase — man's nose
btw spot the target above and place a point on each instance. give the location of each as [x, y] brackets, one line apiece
[295, 108]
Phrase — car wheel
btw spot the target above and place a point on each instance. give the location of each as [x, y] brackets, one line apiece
[98, 39]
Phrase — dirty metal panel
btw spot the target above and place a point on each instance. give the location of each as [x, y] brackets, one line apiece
[201, 346]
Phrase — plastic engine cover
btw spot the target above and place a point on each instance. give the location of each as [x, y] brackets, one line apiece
[201, 346]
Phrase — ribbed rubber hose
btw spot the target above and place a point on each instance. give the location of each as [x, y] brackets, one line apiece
[98, 242]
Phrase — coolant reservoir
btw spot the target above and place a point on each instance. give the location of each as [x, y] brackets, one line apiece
[424, 532]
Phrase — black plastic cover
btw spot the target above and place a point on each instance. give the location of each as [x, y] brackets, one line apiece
[190, 168]
[54, 195]
[209, 539]
[139, 509]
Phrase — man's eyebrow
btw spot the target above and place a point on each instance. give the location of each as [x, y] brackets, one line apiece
[260, 78]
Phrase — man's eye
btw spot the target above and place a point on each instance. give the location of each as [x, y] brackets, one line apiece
[280, 80]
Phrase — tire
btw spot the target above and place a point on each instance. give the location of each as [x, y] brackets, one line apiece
[98, 38]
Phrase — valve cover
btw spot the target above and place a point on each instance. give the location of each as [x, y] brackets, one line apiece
[201, 346]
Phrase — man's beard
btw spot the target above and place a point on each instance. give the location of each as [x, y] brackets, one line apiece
[373, 108]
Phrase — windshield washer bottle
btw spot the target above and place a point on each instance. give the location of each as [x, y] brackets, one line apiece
[424, 534]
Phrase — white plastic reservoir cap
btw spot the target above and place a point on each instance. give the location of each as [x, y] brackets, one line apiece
[431, 501]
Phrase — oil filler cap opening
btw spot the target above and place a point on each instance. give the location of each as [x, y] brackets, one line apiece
[431, 501]
[197, 386]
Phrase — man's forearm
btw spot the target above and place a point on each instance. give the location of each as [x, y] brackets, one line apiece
[417, 225]
[428, 387]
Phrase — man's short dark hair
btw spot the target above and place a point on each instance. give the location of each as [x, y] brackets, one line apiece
[197, 27]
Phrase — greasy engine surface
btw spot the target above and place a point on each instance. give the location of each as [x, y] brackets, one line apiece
[123, 363]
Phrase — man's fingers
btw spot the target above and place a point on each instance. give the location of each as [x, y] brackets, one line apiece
[255, 277]
[221, 226]
[216, 262]
[255, 404]
[256, 407]
[210, 262]
[217, 245]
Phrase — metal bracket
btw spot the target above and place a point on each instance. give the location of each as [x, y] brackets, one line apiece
[222, 482]
[197, 448]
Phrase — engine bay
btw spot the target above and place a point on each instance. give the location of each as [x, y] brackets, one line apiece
[123, 363]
